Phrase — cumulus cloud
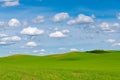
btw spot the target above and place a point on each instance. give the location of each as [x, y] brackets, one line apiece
[116, 44]
[81, 19]
[9, 3]
[14, 22]
[57, 34]
[104, 26]
[71, 22]
[74, 49]
[2, 24]
[62, 48]
[39, 51]
[84, 19]
[2, 43]
[31, 44]
[110, 40]
[6, 40]
[60, 16]
[65, 31]
[107, 27]
[3, 35]
[116, 25]
[13, 38]
[39, 19]
[56, 28]
[32, 31]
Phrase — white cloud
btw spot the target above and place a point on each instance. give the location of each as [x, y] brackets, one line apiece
[3, 43]
[116, 25]
[39, 51]
[31, 44]
[110, 40]
[74, 49]
[81, 19]
[2, 24]
[6, 41]
[65, 31]
[84, 19]
[60, 16]
[56, 28]
[71, 22]
[9, 3]
[39, 19]
[14, 23]
[57, 34]
[116, 44]
[13, 38]
[43, 50]
[62, 48]
[3, 35]
[32, 31]
[104, 26]
[107, 27]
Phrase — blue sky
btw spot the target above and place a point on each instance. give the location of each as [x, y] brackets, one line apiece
[42, 27]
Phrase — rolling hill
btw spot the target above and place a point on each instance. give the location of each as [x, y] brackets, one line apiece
[90, 65]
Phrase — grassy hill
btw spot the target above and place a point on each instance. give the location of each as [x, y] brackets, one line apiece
[90, 65]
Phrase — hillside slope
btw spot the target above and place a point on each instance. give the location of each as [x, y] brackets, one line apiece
[78, 65]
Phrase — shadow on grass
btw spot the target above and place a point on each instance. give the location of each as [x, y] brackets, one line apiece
[98, 51]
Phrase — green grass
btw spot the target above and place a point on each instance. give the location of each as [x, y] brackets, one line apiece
[70, 66]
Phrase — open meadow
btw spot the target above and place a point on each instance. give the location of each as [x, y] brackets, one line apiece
[94, 65]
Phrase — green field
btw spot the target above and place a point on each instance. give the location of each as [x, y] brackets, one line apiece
[94, 65]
